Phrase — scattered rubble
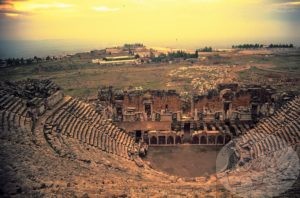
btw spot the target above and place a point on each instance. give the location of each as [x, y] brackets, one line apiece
[55, 145]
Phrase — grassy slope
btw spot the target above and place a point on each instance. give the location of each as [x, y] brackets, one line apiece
[80, 78]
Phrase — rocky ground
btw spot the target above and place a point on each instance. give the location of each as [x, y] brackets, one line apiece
[30, 169]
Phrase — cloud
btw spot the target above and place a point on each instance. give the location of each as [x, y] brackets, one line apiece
[49, 6]
[9, 2]
[10, 11]
[286, 4]
[290, 3]
[205, 1]
[7, 8]
[287, 10]
[104, 9]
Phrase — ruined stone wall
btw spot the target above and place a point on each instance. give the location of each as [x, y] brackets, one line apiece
[214, 103]
[243, 100]
[145, 126]
[133, 101]
[158, 102]
[173, 102]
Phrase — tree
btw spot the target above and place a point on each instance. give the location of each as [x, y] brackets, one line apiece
[207, 49]
[22, 61]
[196, 54]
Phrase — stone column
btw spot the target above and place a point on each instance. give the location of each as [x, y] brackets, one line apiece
[166, 140]
[192, 104]
[206, 139]
[216, 139]
[196, 115]
[174, 139]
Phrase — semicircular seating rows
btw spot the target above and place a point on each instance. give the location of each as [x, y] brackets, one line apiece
[271, 134]
[78, 120]
[23, 104]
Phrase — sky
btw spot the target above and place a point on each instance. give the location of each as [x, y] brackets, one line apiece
[176, 23]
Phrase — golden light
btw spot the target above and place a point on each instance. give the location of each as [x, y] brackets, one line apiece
[154, 22]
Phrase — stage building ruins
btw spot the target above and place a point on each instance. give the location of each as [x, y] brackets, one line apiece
[163, 117]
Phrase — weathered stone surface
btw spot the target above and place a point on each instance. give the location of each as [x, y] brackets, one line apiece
[41, 157]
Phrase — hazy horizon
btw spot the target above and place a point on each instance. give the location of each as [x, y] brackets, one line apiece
[84, 25]
[57, 47]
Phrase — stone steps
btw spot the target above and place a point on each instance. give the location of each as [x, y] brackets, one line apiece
[275, 132]
[74, 120]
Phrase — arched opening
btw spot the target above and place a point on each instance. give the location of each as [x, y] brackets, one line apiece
[227, 138]
[170, 140]
[157, 117]
[200, 116]
[138, 136]
[146, 138]
[153, 140]
[203, 140]
[195, 140]
[232, 130]
[148, 110]
[187, 127]
[201, 127]
[178, 140]
[174, 117]
[217, 116]
[161, 139]
[209, 128]
[211, 139]
[220, 139]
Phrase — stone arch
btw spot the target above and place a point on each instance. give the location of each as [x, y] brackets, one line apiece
[227, 138]
[203, 139]
[201, 127]
[178, 140]
[195, 140]
[153, 140]
[162, 139]
[170, 140]
[209, 127]
[227, 94]
[211, 139]
[220, 139]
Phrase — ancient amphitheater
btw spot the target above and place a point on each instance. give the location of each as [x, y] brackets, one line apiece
[54, 145]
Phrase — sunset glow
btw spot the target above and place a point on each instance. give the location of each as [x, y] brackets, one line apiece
[168, 22]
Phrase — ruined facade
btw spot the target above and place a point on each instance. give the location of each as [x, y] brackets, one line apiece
[163, 117]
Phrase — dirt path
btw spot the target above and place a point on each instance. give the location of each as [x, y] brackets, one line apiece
[272, 69]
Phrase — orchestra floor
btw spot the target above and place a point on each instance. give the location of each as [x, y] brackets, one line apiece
[184, 160]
